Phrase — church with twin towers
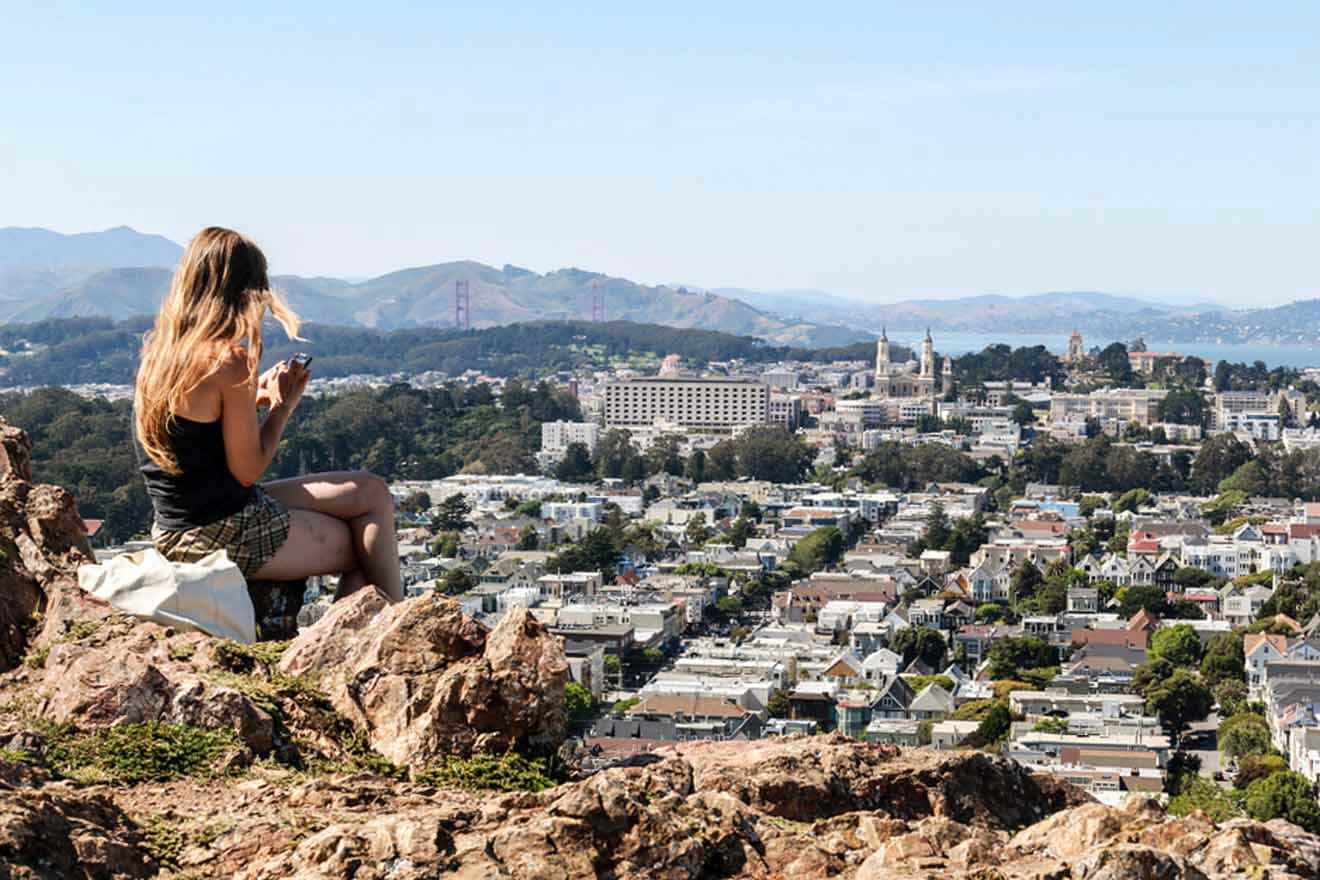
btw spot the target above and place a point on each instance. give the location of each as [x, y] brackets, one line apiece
[909, 379]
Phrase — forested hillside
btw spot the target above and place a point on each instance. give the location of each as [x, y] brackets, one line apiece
[399, 432]
[82, 350]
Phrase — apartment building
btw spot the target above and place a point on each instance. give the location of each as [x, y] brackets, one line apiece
[556, 437]
[708, 404]
[1140, 405]
[1243, 410]
[785, 410]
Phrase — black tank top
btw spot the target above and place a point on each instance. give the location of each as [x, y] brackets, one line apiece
[204, 490]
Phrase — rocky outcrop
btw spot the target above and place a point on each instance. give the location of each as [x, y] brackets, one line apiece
[424, 682]
[42, 541]
[419, 683]
[50, 835]
[676, 815]
[419, 680]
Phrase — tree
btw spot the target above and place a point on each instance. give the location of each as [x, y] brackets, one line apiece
[1245, 733]
[457, 581]
[575, 466]
[1138, 597]
[1231, 695]
[417, 502]
[936, 533]
[1023, 414]
[1219, 456]
[662, 457]
[771, 453]
[1285, 795]
[1179, 644]
[695, 466]
[1115, 362]
[1190, 578]
[578, 701]
[1026, 580]
[722, 461]
[995, 725]
[617, 458]
[1131, 500]
[1250, 479]
[967, 536]
[1195, 792]
[453, 514]
[697, 532]
[729, 606]
[1182, 406]
[597, 551]
[1149, 674]
[739, 532]
[1010, 655]
[1223, 660]
[821, 547]
[528, 538]
[992, 612]
[922, 642]
[1179, 700]
[1253, 767]
[779, 706]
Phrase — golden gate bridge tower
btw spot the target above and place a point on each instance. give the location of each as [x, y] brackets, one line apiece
[462, 306]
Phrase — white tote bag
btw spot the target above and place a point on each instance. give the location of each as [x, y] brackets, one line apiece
[208, 595]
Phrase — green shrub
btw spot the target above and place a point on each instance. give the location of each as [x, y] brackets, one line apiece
[237, 657]
[509, 772]
[150, 752]
[1195, 792]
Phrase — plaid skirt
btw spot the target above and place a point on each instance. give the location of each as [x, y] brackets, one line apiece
[250, 537]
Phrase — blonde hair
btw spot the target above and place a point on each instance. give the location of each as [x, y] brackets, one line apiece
[218, 299]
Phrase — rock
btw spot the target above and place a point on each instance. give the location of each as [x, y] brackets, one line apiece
[15, 454]
[1132, 862]
[674, 817]
[42, 543]
[1069, 834]
[50, 835]
[813, 783]
[424, 681]
[127, 671]
[419, 681]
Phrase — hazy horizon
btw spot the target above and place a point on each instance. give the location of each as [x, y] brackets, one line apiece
[879, 154]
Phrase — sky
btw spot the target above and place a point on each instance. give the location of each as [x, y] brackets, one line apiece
[875, 150]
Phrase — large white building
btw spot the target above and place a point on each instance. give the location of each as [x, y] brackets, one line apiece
[556, 437]
[702, 404]
[1140, 405]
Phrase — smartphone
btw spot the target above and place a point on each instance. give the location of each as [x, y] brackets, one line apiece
[302, 359]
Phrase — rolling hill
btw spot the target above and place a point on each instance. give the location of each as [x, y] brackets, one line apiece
[34, 248]
[119, 273]
[31, 290]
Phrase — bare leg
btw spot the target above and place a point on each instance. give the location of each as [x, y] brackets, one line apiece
[317, 544]
[349, 583]
[364, 503]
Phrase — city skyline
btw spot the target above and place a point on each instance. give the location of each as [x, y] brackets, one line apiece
[879, 154]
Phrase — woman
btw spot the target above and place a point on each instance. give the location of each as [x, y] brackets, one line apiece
[203, 447]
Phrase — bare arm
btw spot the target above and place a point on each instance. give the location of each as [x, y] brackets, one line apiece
[250, 447]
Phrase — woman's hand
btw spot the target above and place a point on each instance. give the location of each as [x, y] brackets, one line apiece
[283, 385]
[263, 381]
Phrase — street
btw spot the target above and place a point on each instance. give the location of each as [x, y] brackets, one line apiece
[1201, 740]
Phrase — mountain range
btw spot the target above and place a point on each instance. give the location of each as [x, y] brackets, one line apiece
[120, 273]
